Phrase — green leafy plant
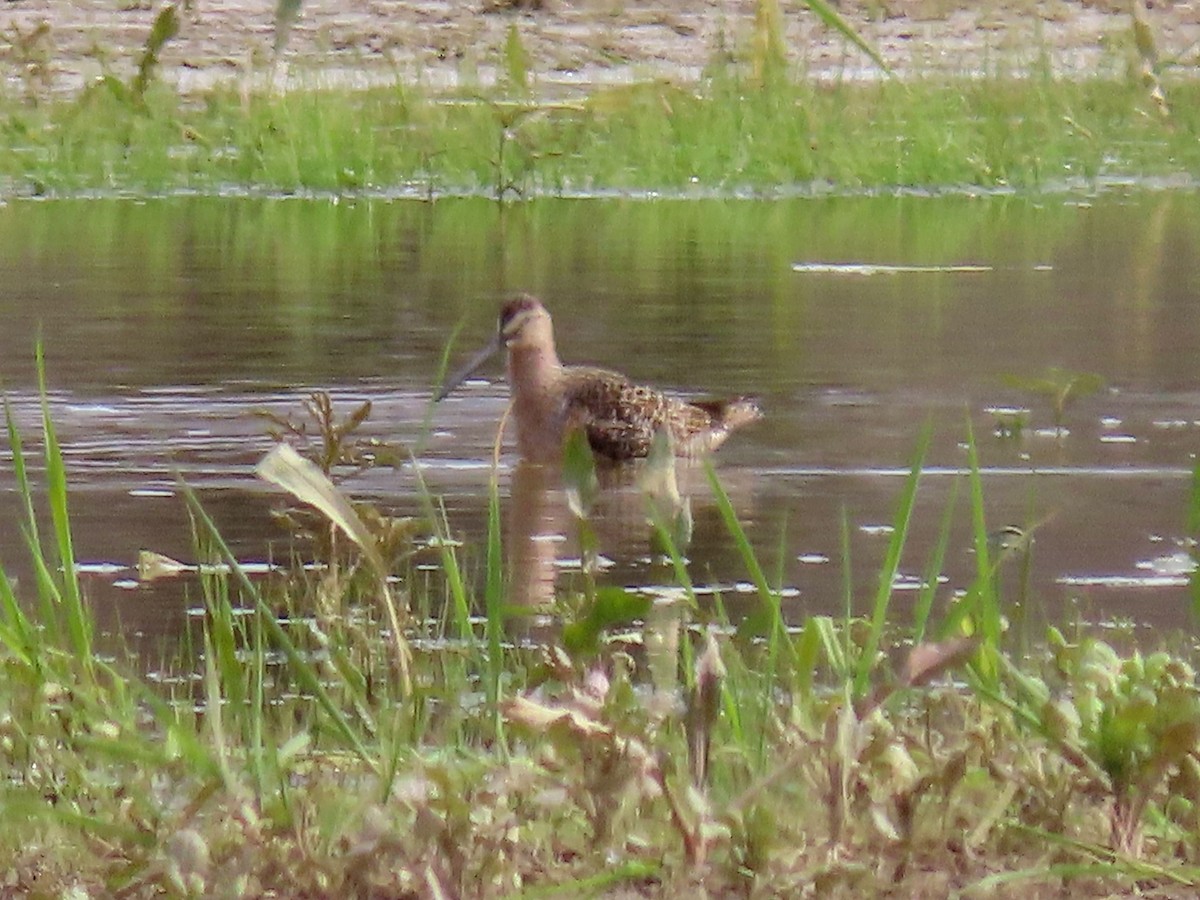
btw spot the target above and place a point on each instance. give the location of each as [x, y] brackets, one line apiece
[332, 441]
[31, 54]
[518, 149]
[165, 28]
[516, 60]
[1060, 386]
[1130, 725]
[286, 14]
[61, 604]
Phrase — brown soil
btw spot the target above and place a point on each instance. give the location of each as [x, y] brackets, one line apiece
[58, 45]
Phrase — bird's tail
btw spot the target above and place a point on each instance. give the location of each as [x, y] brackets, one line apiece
[731, 413]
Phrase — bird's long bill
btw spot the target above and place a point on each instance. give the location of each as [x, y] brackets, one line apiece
[469, 369]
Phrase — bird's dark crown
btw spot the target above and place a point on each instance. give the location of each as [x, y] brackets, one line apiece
[516, 312]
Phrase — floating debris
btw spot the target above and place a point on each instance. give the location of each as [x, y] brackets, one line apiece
[1123, 581]
[150, 492]
[878, 269]
[99, 568]
[152, 566]
[876, 530]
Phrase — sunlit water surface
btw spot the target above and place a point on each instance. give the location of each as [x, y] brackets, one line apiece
[168, 324]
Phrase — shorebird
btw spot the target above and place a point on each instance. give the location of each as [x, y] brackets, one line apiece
[620, 418]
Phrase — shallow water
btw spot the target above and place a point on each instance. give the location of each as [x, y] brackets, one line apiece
[167, 323]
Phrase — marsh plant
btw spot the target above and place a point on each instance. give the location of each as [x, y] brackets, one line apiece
[30, 53]
[330, 440]
[1061, 387]
[753, 122]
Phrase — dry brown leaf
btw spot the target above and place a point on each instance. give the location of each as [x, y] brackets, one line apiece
[927, 661]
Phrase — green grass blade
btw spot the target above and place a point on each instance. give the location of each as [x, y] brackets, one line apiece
[929, 583]
[828, 14]
[426, 429]
[847, 636]
[214, 714]
[182, 743]
[78, 620]
[832, 640]
[579, 478]
[257, 706]
[20, 472]
[768, 599]
[1193, 529]
[983, 552]
[48, 594]
[221, 643]
[891, 565]
[286, 468]
[494, 599]
[32, 807]
[17, 633]
[303, 670]
[667, 544]
[455, 584]
[981, 601]
[808, 649]
[778, 642]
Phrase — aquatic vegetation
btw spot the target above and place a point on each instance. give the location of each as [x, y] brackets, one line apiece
[1060, 386]
[719, 139]
[166, 26]
[339, 444]
[1010, 421]
[325, 745]
[753, 127]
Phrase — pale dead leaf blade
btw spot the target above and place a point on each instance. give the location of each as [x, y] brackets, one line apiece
[152, 566]
[287, 469]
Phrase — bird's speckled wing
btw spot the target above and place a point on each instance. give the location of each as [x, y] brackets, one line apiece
[621, 418]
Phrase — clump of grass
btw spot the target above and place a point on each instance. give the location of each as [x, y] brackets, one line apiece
[749, 124]
[1061, 387]
[721, 136]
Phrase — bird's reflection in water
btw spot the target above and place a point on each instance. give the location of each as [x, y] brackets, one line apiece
[543, 532]
[542, 540]
[538, 524]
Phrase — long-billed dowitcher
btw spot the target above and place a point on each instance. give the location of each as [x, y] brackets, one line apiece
[619, 417]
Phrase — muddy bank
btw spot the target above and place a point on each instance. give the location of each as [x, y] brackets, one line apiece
[55, 46]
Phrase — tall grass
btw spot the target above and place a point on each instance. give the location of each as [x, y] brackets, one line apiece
[58, 590]
[891, 567]
[991, 131]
